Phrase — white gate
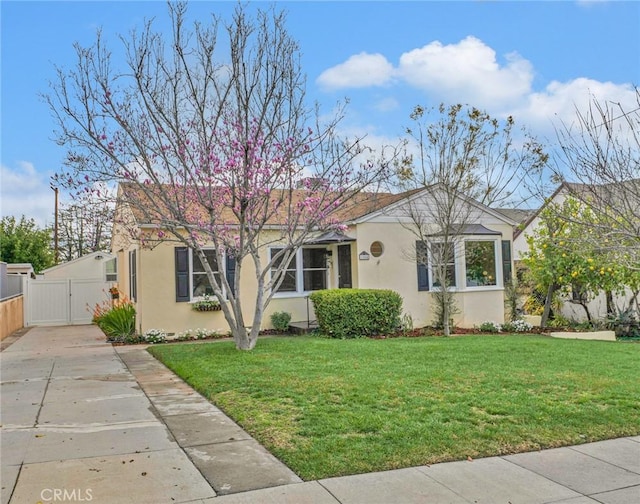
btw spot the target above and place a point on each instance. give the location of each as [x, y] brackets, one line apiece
[63, 302]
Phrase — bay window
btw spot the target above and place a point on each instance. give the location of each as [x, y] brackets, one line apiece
[480, 263]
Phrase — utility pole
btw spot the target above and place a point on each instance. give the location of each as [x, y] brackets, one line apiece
[55, 227]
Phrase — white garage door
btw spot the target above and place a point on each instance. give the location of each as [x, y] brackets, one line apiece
[63, 302]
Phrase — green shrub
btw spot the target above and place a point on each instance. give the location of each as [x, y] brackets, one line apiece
[118, 323]
[280, 321]
[489, 327]
[355, 313]
[626, 324]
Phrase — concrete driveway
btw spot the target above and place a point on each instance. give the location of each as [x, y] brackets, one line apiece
[76, 427]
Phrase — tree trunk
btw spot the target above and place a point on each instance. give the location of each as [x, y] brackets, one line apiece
[245, 340]
[586, 310]
[610, 306]
[634, 299]
[445, 313]
[547, 305]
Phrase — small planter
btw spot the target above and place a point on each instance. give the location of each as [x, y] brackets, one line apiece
[206, 304]
[201, 308]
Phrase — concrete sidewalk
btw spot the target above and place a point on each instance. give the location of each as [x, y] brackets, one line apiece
[83, 421]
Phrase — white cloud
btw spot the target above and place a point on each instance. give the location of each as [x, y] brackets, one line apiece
[25, 191]
[558, 103]
[470, 72]
[360, 70]
[386, 104]
[467, 72]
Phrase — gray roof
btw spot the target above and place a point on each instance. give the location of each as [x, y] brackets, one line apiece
[519, 215]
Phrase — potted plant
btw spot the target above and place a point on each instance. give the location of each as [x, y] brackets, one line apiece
[206, 304]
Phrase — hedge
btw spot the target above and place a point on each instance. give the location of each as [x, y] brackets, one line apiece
[356, 313]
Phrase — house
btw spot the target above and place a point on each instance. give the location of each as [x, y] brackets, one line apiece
[625, 197]
[376, 250]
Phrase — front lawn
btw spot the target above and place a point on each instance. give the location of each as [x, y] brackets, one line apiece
[336, 407]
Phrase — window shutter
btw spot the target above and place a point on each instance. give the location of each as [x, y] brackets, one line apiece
[230, 271]
[133, 276]
[421, 262]
[182, 274]
[506, 261]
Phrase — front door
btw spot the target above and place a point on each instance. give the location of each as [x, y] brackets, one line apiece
[344, 266]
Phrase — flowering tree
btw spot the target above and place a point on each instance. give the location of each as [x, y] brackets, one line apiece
[214, 149]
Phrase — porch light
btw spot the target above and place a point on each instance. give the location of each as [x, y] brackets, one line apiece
[364, 256]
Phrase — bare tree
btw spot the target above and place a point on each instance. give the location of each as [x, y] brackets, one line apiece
[600, 157]
[464, 159]
[85, 226]
[212, 145]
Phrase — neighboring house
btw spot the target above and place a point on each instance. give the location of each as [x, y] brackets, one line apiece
[572, 308]
[93, 266]
[377, 250]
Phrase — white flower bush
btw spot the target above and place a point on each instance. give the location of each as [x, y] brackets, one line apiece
[490, 326]
[196, 334]
[515, 326]
[518, 325]
[155, 336]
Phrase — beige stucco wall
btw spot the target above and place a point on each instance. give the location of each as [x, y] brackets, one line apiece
[157, 308]
[395, 269]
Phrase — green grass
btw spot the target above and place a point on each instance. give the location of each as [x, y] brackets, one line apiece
[336, 407]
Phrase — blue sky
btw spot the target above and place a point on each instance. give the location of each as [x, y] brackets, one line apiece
[535, 60]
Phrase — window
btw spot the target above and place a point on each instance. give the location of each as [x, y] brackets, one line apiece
[443, 260]
[199, 279]
[314, 269]
[306, 271]
[289, 282]
[376, 249]
[480, 263]
[191, 279]
[111, 270]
